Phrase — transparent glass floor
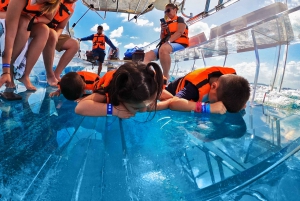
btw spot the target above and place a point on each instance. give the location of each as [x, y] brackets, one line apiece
[50, 153]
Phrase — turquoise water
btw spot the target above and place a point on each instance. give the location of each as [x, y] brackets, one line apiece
[50, 153]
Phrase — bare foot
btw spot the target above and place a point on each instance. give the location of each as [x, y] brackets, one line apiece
[26, 81]
[11, 85]
[52, 81]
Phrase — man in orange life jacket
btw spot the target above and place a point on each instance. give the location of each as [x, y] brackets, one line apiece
[174, 37]
[99, 40]
[210, 85]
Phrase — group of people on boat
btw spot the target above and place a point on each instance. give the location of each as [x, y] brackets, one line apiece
[39, 23]
[133, 87]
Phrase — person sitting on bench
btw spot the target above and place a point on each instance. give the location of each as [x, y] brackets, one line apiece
[174, 37]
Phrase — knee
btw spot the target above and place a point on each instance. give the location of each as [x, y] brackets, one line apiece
[74, 44]
[40, 30]
[71, 45]
[52, 37]
[165, 49]
[149, 56]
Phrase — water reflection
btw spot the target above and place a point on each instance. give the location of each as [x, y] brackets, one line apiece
[206, 127]
[30, 136]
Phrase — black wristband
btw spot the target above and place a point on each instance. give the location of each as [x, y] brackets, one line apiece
[5, 73]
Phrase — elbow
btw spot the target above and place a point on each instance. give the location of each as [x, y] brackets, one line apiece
[79, 109]
[172, 103]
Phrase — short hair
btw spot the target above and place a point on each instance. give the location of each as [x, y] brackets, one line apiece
[172, 5]
[100, 27]
[233, 91]
[71, 86]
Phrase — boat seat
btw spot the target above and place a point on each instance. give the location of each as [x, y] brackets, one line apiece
[197, 39]
[248, 19]
[214, 47]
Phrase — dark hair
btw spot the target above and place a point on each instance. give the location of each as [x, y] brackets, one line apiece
[71, 86]
[100, 27]
[134, 82]
[233, 91]
[172, 5]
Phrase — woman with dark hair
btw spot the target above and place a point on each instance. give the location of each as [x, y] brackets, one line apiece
[131, 88]
[174, 37]
[24, 19]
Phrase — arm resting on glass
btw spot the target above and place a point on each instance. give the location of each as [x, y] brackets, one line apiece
[180, 104]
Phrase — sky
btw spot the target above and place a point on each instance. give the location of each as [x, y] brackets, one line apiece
[125, 35]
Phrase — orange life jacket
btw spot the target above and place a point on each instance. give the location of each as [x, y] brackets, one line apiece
[63, 12]
[33, 10]
[200, 78]
[105, 80]
[3, 5]
[99, 41]
[173, 27]
[90, 79]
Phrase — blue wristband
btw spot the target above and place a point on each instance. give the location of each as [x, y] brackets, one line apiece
[203, 108]
[109, 109]
[5, 65]
[207, 107]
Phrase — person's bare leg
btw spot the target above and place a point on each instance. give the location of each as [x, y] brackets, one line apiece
[99, 68]
[71, 46]
[149, 56]
[19, 43]
[48, 56]
[39, 33]
[165, 58]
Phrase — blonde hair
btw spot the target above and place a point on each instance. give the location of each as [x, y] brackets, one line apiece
[50, 6]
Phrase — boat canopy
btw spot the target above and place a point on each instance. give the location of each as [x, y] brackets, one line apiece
[124, 6]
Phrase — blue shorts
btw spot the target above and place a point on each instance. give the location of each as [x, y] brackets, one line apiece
[175, 47]
[99, 53]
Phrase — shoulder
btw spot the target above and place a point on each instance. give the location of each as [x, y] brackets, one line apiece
[180, 19]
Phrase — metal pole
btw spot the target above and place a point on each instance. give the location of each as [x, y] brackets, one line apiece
[257, 65]
[207, 5]
[203, 57]
[278, 57]
[286, 50]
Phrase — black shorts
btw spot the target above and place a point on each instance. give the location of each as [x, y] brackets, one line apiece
[99, 53]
